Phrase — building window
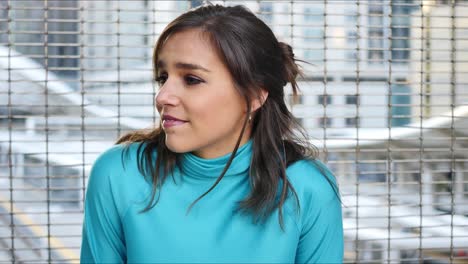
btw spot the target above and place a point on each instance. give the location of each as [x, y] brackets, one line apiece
[352, 99]
[298, 99]
[195, 3]
[300, 121]
[351, 56]
[351, 121]
[351, 36]
[313, 15]
[376, 45]
[266, 12]
[401, 105]
[313, 34]
[400, 45]
[314, 54]
[352, 18]
[401, 30]
[376, 6]
[109, 16]
[325, 122]
[324, 99]
[375, 21]
[91, 38]
[375, 32]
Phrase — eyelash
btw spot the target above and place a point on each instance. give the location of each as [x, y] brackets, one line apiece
[188, 79]
[161, 79]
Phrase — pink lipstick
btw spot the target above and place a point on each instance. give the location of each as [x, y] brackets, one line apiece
[170, 121]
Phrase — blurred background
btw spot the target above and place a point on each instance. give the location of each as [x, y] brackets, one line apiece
[384, 96]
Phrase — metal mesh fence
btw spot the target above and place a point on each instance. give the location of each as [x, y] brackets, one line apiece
[384, 95]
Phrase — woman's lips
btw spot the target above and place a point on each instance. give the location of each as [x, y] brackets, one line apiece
[170, 121]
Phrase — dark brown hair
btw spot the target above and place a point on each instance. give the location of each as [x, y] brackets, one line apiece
[256, 60]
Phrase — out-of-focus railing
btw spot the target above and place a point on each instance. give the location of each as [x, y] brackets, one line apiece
[384, 96]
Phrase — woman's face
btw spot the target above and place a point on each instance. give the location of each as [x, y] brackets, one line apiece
[201, 110]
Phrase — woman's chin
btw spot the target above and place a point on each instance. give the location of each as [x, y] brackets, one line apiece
[177, 147]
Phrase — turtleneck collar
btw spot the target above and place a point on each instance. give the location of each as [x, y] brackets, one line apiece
[197, 167]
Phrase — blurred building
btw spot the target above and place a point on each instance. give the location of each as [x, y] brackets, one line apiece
[358, 54]
[47, 31]
[117, 34]
[439, 62]
[404, 192]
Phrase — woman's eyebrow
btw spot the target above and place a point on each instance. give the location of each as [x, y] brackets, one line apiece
[183, 65]
[190, 66]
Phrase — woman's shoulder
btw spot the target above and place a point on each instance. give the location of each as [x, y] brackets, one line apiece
[115, 180]
[120, 156]
[311, 176]
[118, 165]
[117, 168]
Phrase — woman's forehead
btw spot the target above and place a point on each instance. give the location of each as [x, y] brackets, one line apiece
[188, 38]
[187, 48]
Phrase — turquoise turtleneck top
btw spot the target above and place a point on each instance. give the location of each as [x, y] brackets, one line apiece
[115, 230]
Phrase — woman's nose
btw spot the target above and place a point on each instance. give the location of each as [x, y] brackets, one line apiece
[166, 96]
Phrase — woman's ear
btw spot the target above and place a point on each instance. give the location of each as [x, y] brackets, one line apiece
[259, 100]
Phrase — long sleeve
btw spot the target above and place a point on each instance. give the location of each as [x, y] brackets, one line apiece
[321, 239]
[102, 239]
[322, 235]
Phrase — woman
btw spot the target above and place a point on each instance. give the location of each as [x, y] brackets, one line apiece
[226, 178]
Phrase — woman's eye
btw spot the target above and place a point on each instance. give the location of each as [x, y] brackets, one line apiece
[190, 80]
[161, 79]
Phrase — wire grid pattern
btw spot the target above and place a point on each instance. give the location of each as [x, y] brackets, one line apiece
[384, 95]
